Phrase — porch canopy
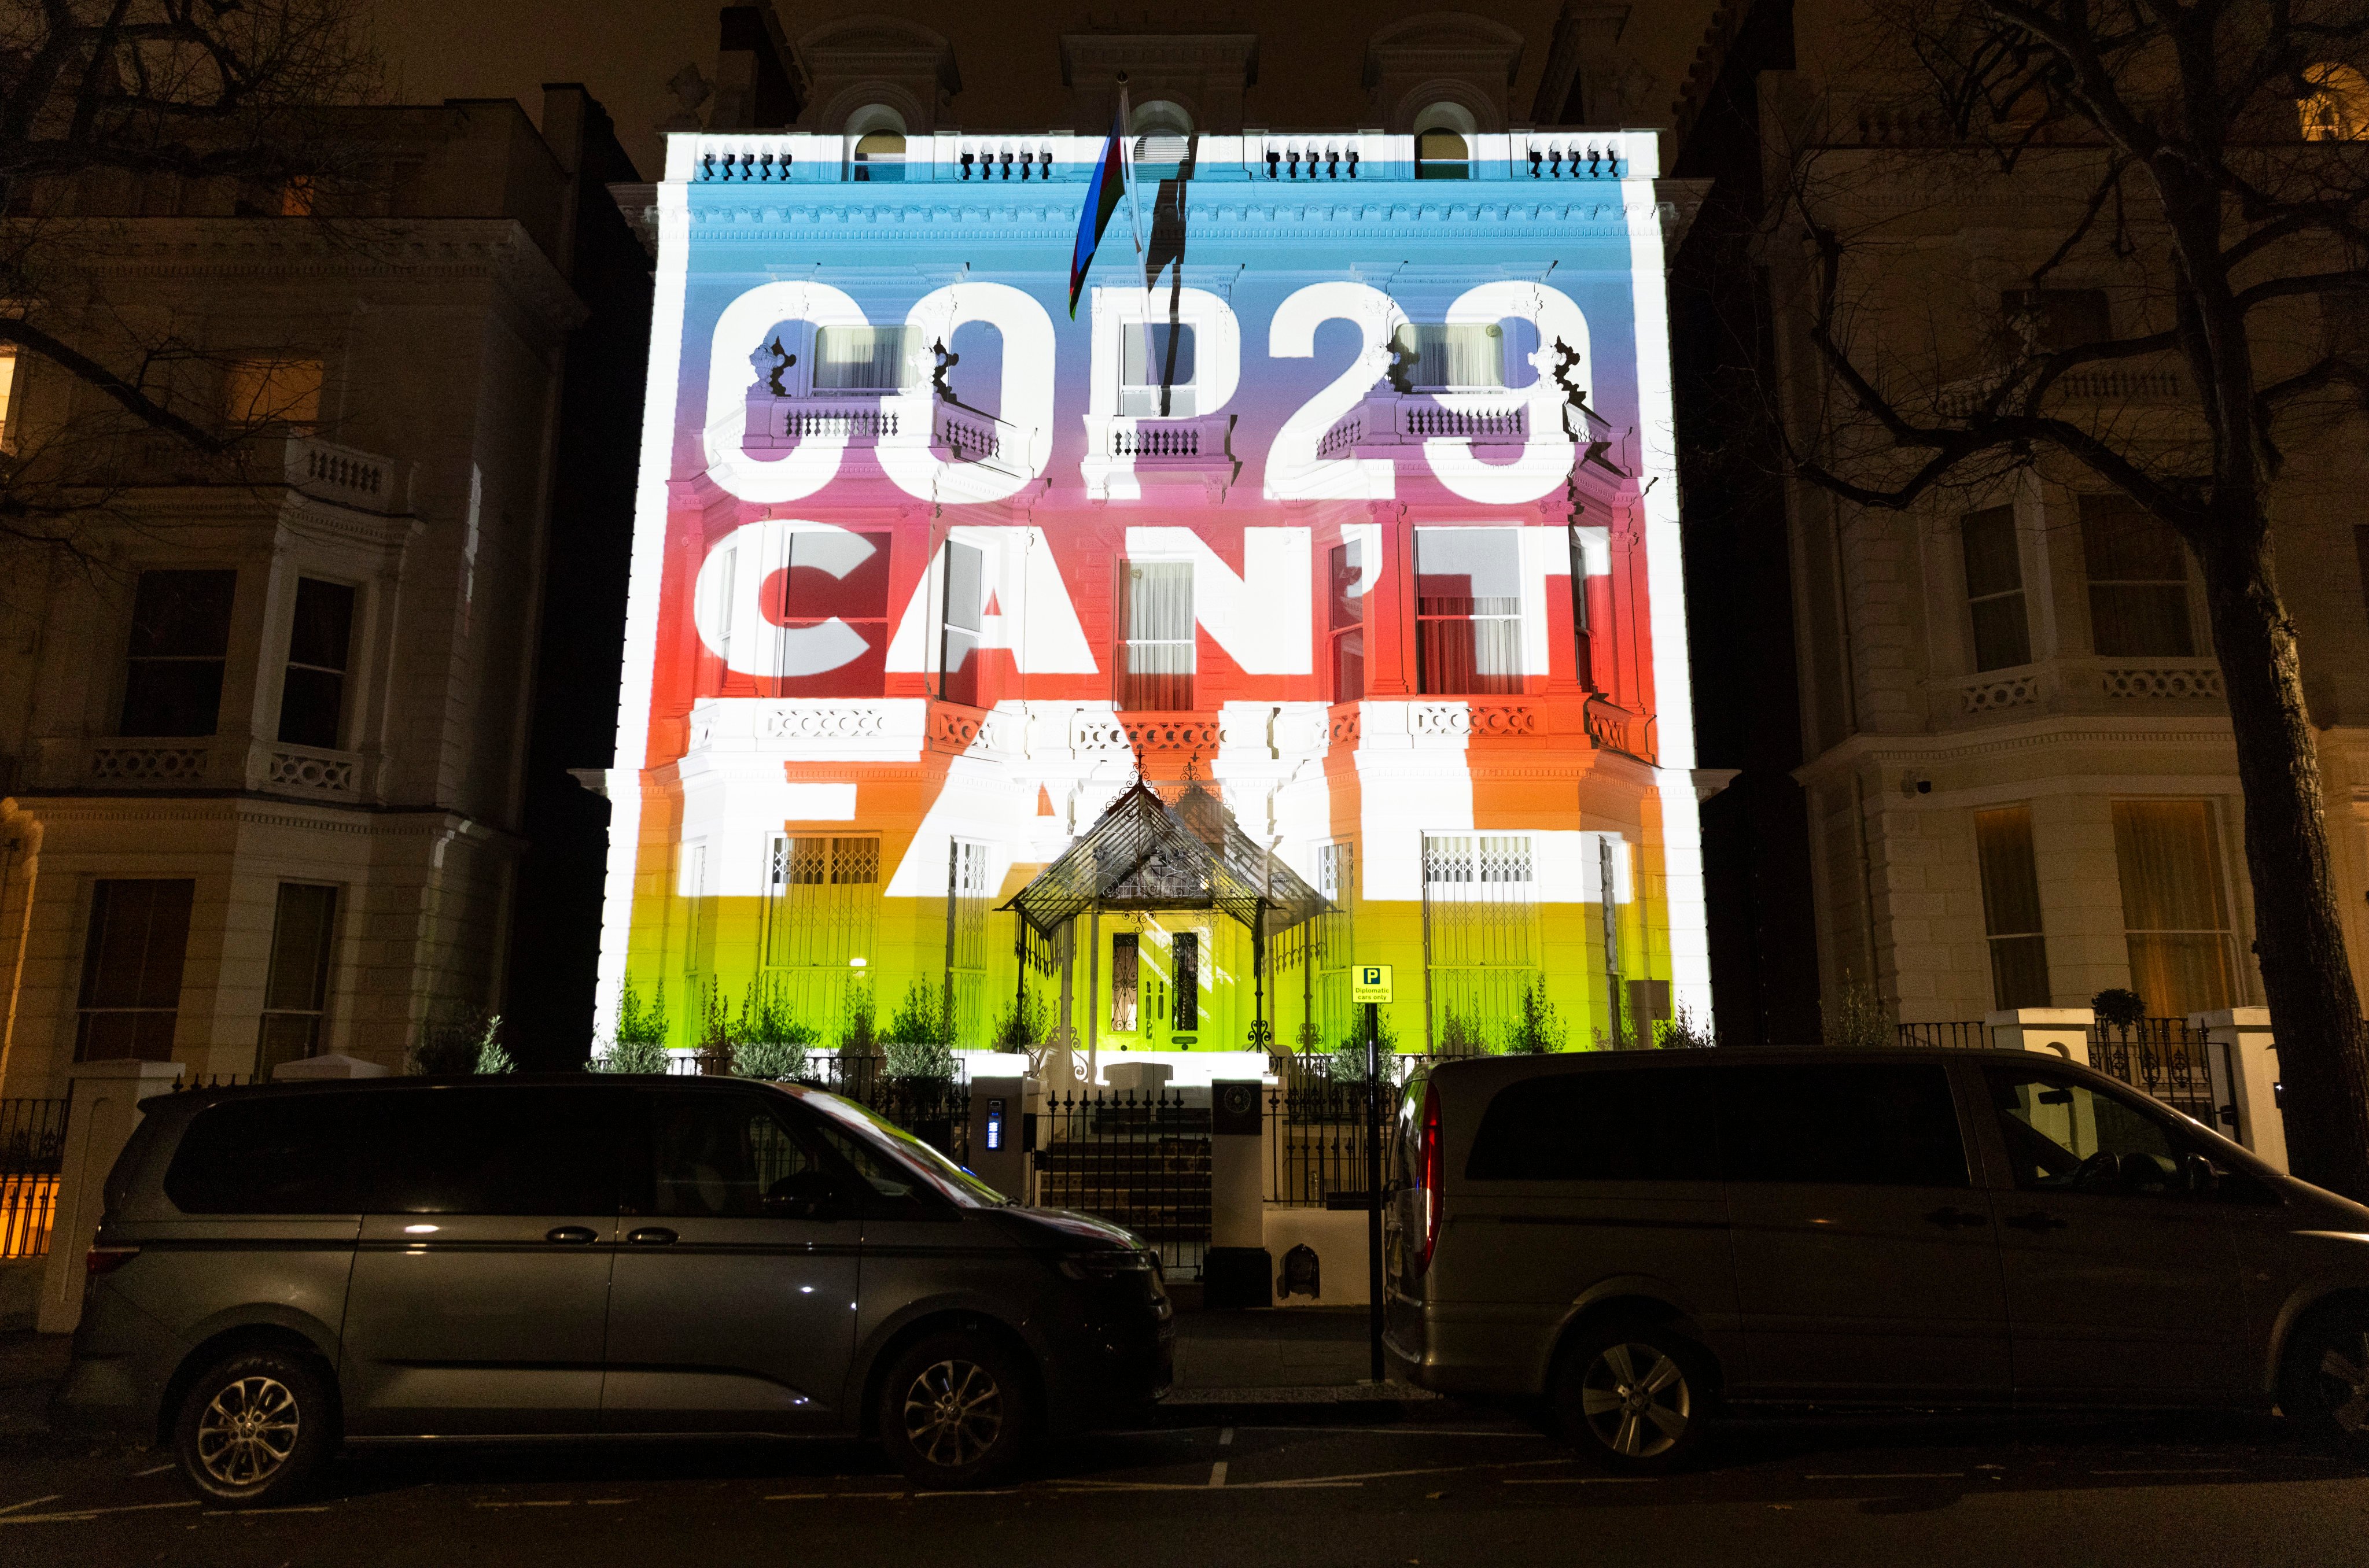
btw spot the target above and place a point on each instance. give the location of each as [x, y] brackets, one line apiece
[1144, 853]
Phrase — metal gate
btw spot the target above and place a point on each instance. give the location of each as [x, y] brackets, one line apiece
[2180, 1066]
[1137, 1159]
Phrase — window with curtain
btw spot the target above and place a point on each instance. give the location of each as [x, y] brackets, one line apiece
[965, 607]
[131, 961]
[296, 986]
[2175, 906]
[180, 637]
[1344, 619]
[281, 393]
[1155, 377]
[861, 359]
[833, 584]
[2139, 581]
[1432, 357]
[2012, 906]
[312, 689]
[1469, 610]
[1126, 950]
[1156, 661]
[1995, 588]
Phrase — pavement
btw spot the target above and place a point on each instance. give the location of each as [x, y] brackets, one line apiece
[1257, 1471]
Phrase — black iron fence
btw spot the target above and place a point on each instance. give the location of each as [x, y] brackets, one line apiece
[1963, 1034]
[32, 1148]
[1140, 1160]
[1317, 1142]
[2173, 1061]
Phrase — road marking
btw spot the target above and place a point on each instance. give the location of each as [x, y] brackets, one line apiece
[1217, 1474]
[809, 1496]
[256, 1512]
[158, 1470]
[79, 1514]
[1576, 1479]
[31, 1502]
[2223, 1470]
[992, 1492]
[1226, 1437]
[606, 1502]
[562, 1503]
[1896, 1475]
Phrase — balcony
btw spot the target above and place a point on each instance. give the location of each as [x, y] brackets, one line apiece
[2099, 390]
[952, 433]
[1123, 454]
[2134, 687]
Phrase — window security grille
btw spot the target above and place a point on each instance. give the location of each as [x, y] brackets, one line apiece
[1480, 935]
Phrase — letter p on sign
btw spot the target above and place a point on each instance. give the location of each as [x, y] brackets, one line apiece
[1372, 983]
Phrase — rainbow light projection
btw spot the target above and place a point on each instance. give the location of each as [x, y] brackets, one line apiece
[1360, 521]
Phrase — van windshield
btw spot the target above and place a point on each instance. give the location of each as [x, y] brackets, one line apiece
[948, 1178]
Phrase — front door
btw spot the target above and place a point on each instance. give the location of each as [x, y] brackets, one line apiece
[1865, 1265]
[733, 1306]
[481, 1283]
[2123, 1285]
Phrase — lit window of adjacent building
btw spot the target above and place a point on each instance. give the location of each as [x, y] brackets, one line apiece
[312, 691]
[863, 359]
[273, 392]
[2139, 581]
[1995, 588]
[1155, 379]
[1467, 611]
[2011, 878]
[2175, 909]
[7, 400]
[180, 636]
[965, 605]
[1156, 642]
[296, 987]
[131, 961]
[2338, 108]
[1344, 619]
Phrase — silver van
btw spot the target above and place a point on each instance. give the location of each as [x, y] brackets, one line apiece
[284, 1270]
[1645, 1238]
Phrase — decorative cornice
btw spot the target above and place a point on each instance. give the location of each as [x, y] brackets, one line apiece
[2085, 730]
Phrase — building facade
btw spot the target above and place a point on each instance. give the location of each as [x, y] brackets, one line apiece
[264, 722]
[1340, 519]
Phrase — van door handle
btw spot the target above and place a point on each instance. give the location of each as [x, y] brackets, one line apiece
[1950, 1218]
[573, 1235]
[2035, 1221]
[649, 1236]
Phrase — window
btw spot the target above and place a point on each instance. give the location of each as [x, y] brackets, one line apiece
[2175, 913]
[726, 1157]
[1582, 640]
[296, 987]
[1126, 952]
[2042, 321]
[2139, 581]
[1344, 618]
[1156, 655]
[1156, 367]
[1467, 611]
[1995, 588]
[864, 358]
[1441, 155]
[970, 895]
[181, 634]
[2338, 111]
[495, 1150]
[1436, 358]
[1892, 1127]
[274, 1156]
[966, 604]
[1636, 1125]
[131, 961]
[2064, 1135]
[313, 692]
[1185, 954]
[831, 600]
[820, 921]
[879, 156]
[2012, 906]
[1336, 942]
[272, 391]
[1480, 935]
[7, 400]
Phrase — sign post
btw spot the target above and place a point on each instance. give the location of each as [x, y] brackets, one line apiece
[1372, 987]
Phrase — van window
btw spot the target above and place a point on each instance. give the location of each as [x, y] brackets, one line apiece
[719, 1155]
[1648, 1123]
[458, 1150]
[2058, 1129]
[1890, 1126]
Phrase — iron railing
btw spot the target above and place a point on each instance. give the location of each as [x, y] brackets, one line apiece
[1140, 1160]
[1317, 1147]
[2171, 1060]
[32, 1148]
[1962, 1034]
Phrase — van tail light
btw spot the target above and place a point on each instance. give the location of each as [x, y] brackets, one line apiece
[107, 1260]
[1429, 1158]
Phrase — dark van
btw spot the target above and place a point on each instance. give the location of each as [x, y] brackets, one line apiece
[284, 1270]
[1643, 1239]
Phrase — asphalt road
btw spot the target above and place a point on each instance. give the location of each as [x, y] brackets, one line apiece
[1436, 1484]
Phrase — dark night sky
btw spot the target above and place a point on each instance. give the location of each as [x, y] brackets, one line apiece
[1311, 55]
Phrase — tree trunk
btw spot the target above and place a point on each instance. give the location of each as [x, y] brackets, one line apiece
[2315, 1007]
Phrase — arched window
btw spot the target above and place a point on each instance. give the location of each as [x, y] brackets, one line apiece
[1443, 143]
[1163, 131]
[878, 150]
[2339, 109]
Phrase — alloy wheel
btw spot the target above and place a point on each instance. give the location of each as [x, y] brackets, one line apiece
[953, 1412]
[1636, 1400]
[248, 1430]
[2344, 1382]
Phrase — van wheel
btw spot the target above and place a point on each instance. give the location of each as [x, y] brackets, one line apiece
[254, 1429]
[2324, 1384]
[1633, 1399]
[954, 1412]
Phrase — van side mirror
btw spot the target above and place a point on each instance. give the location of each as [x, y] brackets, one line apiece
[2197, 1175]
[808, 1195]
